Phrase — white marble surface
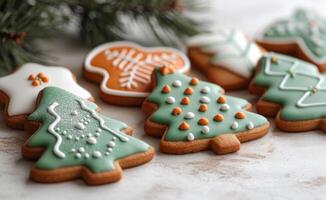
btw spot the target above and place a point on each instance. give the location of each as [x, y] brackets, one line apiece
[278, 166]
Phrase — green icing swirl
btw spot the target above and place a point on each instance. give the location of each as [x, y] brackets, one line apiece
[78, 140]
[163, 114]
[295, 85]
[305, 26]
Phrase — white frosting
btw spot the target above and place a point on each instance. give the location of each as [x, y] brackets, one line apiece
[224, 107]
[170, 100]
[23, 94]
[177, 83]
[101, 122]
[91, 68]
[190, 136]
[97, 154]
[250, 126]
[189, 115]
[111, 144]
[80, 126]
[230, 49]
[204, 99]
[91, 140]
[205, 130]
[235, 125]
[205, 90]
[56, 146]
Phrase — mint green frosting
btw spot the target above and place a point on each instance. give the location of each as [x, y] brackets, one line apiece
[83, 140]
[295, 85]
[305, 26]
[163, 114]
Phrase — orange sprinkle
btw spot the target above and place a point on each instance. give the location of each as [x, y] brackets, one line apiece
[194, 81]
[41, 75]
[176, 111]
[188, 91]
[36, 83]
[184, 126]
[31, 77]
[203, 108]
[166, 70]
[45, 79]
[203, 121]
[240, 115]
[166, 89]
[218, 118]
[185, 101]
[221, 99]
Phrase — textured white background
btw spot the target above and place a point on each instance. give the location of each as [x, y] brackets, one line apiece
[278, 166]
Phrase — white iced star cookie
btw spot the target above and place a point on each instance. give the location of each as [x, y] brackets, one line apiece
[19, 90]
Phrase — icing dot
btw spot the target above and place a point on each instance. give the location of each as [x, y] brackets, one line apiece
[184, 126]
[202, 108]
[176, 83]
[96, 134]
[69, 137]
[86, 155]
[78, 155]
[111, 144]
[64, 132]
[87, 115]
[107, 153]
[203, 121]
[170, 100]
[205, 130]
[190, 137]
[205, 90]
[189, 115]
[114, 139]
[74, 113]
[218, 118]
[82, 136]
[99, 130]
[77, 138]
[110, 149]
[235, 125]
[97, 154]
[166, 89]
[221, 100]
[73, 150]
[194, 81]
[57, 129]
[250, 125]
[204, 99]
[81, 149]
[80, 126]
[188, 91]
[185, 101]
[224, 107]
[91, 140]
[240, 115]
[176, 111]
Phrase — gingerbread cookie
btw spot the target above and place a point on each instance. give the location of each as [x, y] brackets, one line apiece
[225, 56]
[18, 91]
[123, 69]
[303, 35]
[292, 90]
[75, 141]
[192, 115]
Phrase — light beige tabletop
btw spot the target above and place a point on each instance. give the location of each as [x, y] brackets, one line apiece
[278, 166]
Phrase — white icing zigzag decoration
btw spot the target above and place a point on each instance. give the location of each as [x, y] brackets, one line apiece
[133, 71]
[56, 149]
[291, 73]
[134, 67]
[230, 49]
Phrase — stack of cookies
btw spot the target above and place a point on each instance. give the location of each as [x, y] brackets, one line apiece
[69, 138]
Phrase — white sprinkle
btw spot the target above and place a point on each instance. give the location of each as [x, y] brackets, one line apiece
[79, 126]
[99, 130]
[89, 135]
[86, 155]
[78, 155]
[97, 154]
[190, 137]
[82, 136]
[107, 153]
[189, 115]
[77, 138]
[114, 139]
[81, 149]
[73, 150]
[111, 144]
[85, 122]
[57, 129]
[96, 134]
[176, 83]
[224, 107]
[110, 149]
[250, 125]
[170, 100]
[235, 125]
[205, 130]
[205, 90]
[91, 140]
[69, 137]
[64, 132]
[87, 116]
[204, 99]
[74, 113]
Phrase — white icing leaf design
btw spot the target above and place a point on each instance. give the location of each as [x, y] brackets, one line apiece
[136, 68]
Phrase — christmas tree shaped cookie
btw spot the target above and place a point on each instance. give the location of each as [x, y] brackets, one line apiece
[74, 141]
[303, 35]
[192, 115]
[292, 90]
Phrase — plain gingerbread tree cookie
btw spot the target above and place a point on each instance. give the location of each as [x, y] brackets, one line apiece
[191, 115]
[75, 141]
